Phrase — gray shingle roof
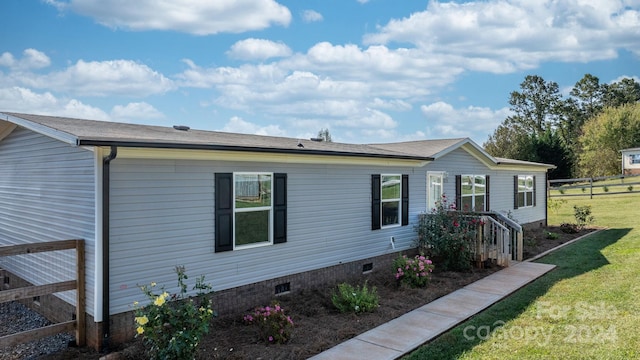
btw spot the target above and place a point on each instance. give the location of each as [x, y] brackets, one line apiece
[105, 133]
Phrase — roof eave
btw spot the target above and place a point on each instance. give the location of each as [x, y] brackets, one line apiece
[217, 147]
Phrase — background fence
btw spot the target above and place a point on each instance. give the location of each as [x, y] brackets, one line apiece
[596, 186]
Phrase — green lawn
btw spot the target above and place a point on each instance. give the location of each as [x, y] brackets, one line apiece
[587, 308]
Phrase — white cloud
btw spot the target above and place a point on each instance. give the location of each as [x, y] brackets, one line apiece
[311, 16]
[445, 121]
[200, 17]
[260, 49]
[18, 99]
[32, 59]
[238, 125]
[102, 78]
[135, 112]
[501, 36]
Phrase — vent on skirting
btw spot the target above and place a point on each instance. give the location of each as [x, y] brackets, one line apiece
[283, 288]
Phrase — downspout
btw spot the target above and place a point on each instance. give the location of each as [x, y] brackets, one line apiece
[106, 316]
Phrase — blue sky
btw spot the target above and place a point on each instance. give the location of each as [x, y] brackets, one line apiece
[368, 70]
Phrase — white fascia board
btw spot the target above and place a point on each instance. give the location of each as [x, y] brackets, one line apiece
[41, 129]
[247, 156]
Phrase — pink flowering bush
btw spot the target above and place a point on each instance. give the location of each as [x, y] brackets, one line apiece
[274, 326]
[414, 272]
[448, 235]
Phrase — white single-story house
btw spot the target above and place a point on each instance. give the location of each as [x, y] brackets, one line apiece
[631, 161]
[256, 215]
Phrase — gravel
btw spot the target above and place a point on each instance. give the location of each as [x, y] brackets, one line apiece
[14, 318]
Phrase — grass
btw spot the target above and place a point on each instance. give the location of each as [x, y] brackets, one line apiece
[586, 308]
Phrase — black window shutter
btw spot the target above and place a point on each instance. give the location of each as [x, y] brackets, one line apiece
[375, 202]
[224, 212]
[280, 208]
[405, 200]
[487, 206]
[458, 192]
[534, 191]
[515, 191]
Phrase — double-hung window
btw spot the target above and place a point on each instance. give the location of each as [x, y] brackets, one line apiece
[252, 208]
[524, 191]
[389, 200]
[473, 195]
[634, 159]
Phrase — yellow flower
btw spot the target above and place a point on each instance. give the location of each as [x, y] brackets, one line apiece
[135, 303]
[140, 330]
[159, 300]
[165, 295]
[142, 320]
[153, 284]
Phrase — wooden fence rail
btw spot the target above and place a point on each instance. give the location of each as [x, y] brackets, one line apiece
[629, 183]
[37, 290]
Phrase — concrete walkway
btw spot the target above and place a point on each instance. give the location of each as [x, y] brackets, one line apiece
[407, 332]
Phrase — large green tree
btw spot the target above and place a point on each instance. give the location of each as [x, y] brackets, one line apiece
[604, 135]
[543, 118]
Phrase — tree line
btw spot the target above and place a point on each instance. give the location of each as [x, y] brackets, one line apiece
[581, 134]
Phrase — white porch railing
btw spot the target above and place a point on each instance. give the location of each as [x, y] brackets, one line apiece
[499, 240]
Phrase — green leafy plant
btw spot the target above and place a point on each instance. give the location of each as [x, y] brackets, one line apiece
[561, 191]
[359, 299]
[555, 204]
[173, 324]
[630, 188]
[605, 188]
[415, 272]
[273, 324]
[583, 216]
[447, 235]
[552, 235]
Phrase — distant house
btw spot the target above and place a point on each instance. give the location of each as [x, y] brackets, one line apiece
[256, 215]
[631, 161]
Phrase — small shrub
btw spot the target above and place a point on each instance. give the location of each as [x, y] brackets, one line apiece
[582, 215]
[630, 188]
[552, 235]
[173, 324]
[605, 188]
[274, 325]
[583, 190]
[414, 272]
[561, 191]
[569, 228]
[555, 204]
[355, 299]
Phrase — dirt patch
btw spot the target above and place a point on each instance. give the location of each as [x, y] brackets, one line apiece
[318, 326]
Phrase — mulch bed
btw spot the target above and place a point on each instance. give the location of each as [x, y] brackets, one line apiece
[318, 325]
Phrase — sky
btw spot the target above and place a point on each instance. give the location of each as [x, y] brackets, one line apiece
[370, 71]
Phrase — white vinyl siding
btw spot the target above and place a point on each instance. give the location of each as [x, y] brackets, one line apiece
[47, 194]
[501, 192]
[162, 215]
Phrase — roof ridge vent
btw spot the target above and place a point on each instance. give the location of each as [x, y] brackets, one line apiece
[181, 127]
[316, 139]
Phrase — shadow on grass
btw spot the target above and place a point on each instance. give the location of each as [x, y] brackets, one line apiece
[573, 260]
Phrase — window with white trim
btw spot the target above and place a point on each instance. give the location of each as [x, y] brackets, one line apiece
[525, 190]
[391, 197]
[634, 159]
[252, 209]
[473, 195]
